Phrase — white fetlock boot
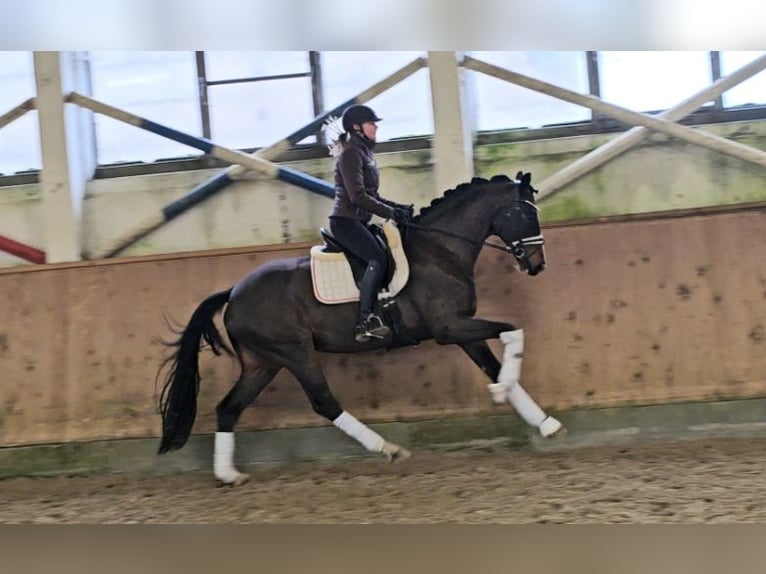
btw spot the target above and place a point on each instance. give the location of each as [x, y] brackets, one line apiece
[223, 460]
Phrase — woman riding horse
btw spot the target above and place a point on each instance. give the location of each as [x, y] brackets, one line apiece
[357, 179]
[274, 321]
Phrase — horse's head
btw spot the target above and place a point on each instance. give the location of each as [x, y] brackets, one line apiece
[518, 225]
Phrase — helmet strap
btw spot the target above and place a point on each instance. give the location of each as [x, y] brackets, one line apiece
[362, 135]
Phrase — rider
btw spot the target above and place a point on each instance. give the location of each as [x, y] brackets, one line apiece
[356, 199]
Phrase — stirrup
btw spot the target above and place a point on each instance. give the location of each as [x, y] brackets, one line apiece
[371, 327]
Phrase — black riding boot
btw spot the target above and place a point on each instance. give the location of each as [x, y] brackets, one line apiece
[369, 325]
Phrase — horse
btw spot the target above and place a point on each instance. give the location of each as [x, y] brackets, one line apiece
[273, 321]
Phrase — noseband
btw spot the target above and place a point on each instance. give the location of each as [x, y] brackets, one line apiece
[517, 247]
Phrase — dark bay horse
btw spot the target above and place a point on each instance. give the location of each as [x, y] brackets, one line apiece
[273, 320]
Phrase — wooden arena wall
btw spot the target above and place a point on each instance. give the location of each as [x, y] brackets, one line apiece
[645, 310]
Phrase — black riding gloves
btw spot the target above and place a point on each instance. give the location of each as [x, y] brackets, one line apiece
[402, 214]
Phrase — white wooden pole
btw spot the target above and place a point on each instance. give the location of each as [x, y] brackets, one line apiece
[59, 190]
[625, 141]
[453, 141]
[659, 124]
[17, 112]
[275, 150]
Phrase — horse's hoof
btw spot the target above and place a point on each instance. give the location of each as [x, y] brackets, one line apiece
[551, 427]
[395, 452]
[236, 480]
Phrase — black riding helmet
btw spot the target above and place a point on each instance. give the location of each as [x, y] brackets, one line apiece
[357, 115]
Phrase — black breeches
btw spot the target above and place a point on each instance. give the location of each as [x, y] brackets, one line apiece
[361, 242]
[356, 237]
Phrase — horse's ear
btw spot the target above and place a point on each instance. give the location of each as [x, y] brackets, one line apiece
[526, 179]
[519, 175]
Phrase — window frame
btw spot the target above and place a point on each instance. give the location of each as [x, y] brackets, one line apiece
[203, 83]
[598, 123]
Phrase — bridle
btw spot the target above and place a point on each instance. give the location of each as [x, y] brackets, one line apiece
[516, 248]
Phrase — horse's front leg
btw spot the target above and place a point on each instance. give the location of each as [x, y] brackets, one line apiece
[506, 376]
[458, 330]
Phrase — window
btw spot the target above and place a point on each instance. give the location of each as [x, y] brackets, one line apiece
[255, 99]
[404, 107]
[239, 66]
[158, 86]
[651, 81]
[19, 140]
[246, 100]
[502, 105]
[749, 92]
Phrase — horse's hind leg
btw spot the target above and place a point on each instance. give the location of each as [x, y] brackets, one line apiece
[254, 378]
[304, 365]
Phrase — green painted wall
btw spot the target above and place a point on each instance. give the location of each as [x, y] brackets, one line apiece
[660, 173]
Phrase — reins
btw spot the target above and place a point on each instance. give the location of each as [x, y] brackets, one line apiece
[516, 248]
[505, 248]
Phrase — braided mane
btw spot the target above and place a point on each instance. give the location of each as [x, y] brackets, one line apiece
[461, 190]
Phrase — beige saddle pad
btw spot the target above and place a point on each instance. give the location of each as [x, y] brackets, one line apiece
[334, 282]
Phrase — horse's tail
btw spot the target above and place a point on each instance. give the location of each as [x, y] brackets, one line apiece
[178, 400]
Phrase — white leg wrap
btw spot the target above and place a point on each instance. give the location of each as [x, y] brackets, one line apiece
[499, 392]
[357, 430]
[513, 354]
[531, 412]
[525, 405]
[510, 370]
[508, 387]
[223, 457]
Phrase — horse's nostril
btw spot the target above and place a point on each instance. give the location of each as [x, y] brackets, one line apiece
[535, 270]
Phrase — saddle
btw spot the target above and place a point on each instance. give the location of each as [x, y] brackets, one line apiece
[336, 272]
